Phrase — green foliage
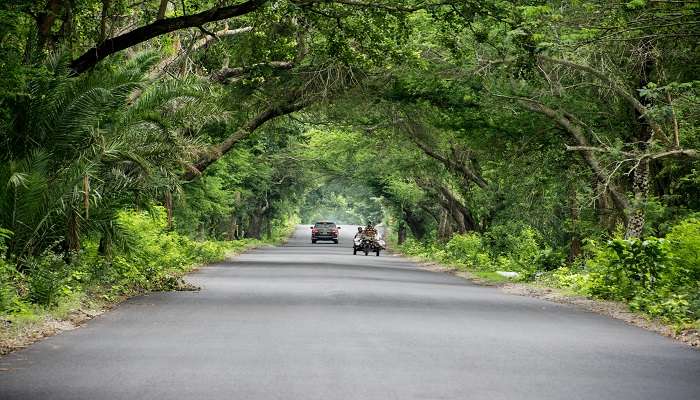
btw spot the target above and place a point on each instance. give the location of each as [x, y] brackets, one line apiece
[47, 279]
[422, 119]
[523, 255]
[469, 249]
[622, 268]
[160, 256]
[660, 277]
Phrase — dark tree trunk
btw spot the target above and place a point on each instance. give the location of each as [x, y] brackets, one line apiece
[444, 232]
[45, 22]
[233, 228]
[66, 31]
[105, 247]
[415, 223]
[162, 9]
[640, 187]
[640, 181]
[254, 228]
[401, 233]
[103, 21]
[462, 216]
[73, 236]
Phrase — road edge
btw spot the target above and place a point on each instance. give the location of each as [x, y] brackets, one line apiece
[611, 309]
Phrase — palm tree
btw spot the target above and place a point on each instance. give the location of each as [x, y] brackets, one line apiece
[89, 146]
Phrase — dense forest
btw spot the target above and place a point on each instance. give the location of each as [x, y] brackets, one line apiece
[555, 139]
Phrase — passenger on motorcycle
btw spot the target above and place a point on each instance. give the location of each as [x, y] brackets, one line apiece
[358, 235]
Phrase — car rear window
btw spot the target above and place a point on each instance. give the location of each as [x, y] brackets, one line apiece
[325, 224]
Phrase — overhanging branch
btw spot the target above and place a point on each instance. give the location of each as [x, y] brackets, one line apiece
[215, 152]
[157, 28]
[229, 73]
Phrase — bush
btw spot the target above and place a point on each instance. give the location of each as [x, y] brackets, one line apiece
[7, 291]
[624, 267]
[660, 277]
[469, 249]
[159, 255]
[683, 247]
[47, 279]
[519, 252]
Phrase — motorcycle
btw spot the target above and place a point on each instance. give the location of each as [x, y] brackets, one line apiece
[367, 245]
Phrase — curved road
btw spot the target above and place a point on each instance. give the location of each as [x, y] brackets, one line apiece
[314, 322]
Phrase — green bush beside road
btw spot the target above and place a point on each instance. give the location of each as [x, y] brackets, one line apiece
[153, 259]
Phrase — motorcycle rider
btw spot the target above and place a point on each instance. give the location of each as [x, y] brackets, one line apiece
[358, 235]
[369, 231]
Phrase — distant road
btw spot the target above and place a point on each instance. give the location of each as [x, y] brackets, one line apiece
[313, 322]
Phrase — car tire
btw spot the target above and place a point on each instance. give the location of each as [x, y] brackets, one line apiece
[313, 241]
[377, 253]
[335, 241]
[366, 251]
[354, 251]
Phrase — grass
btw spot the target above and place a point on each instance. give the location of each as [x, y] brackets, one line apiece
[34, 322]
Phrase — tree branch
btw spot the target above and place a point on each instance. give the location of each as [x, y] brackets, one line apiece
[641, 108]
[689, 153]
[217, 151]
[462, 168]
[619, 199]
[228, 73]
[139, 35]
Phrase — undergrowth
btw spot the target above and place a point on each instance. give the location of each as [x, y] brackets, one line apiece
[52, 286]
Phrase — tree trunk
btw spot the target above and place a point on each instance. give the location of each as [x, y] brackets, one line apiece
[219, 150]
[575, 244]
[162, 9]
[86, 196]
[45, 21]
[415, 223]
[233, 228]
[103, 21]
[401, 233]
[444, 232]
[160, 27]
[73, 236]
[640, 181]
[640, 187]
[461, 215]
[254, 227]
[169, 208]
[105, 247]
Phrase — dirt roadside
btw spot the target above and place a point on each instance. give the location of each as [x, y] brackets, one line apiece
[612, 309]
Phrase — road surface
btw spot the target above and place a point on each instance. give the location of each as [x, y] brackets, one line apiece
[314, 322]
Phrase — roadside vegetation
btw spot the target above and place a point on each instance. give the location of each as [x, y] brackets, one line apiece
[555, 139]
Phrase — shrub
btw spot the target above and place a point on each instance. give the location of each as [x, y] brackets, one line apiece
[469, 249]
[47, 279]
[7, 292]
[624, 267]
[160, 255]
[660, 277]
[683, 246]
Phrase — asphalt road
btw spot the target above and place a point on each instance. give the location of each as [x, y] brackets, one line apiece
[314, 322]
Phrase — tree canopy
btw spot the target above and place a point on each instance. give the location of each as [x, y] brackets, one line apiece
[567, 120]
